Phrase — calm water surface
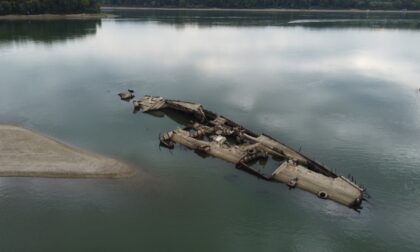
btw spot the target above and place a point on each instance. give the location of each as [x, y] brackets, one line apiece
[341, 86]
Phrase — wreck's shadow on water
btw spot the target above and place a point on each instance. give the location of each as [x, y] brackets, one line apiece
[345, 96]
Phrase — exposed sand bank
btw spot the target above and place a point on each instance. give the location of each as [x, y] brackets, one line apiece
[57, 16]
[261, 10]
[24, 153]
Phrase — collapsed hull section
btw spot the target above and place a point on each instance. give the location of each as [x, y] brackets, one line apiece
[214, 135]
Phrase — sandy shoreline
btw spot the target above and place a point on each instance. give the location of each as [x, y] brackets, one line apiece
[24, 153]
[262, 10]
[57, 16]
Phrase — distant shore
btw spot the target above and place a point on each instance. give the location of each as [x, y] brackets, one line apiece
[92, 16]
[83, 16]
[105, 8]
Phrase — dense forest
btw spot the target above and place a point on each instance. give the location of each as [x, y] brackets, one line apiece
[297, 4]
[47, 6]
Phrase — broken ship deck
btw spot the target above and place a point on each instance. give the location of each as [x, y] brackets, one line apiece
[215, 135]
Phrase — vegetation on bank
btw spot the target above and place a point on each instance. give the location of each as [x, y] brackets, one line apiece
[28, 7]
[293, 4]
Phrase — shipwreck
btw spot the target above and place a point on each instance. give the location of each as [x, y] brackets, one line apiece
[214, 135]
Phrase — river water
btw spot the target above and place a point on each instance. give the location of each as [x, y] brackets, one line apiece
[342, 87]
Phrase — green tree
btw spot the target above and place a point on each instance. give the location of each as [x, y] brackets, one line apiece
[5, 8]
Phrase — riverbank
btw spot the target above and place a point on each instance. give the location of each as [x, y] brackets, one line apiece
[84, 16]
[109, 8]
[24, 153]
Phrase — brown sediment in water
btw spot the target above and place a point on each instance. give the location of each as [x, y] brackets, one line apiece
[24, 153]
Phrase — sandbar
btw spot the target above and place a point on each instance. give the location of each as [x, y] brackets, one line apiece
[24, 153]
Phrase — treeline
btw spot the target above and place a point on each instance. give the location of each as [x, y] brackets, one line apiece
[293, 4]
[27, 7]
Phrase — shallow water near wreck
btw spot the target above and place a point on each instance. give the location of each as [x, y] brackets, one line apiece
[340, 86]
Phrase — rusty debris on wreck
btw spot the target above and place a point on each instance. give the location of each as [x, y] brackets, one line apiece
[211, 134]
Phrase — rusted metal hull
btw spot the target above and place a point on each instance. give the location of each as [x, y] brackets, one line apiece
[217, 136]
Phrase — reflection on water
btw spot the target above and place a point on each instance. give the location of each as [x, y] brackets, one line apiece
[269, 18]
[346, 96]
[46, 31]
